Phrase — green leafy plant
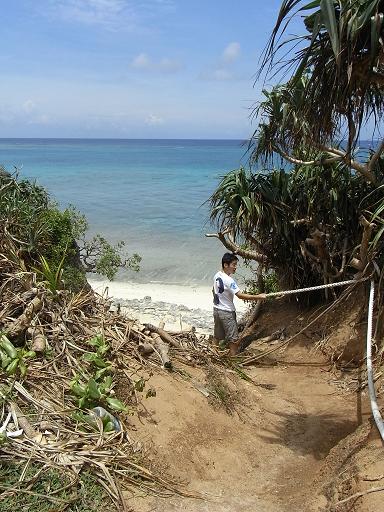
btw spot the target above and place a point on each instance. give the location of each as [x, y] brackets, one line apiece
[96, 389]
[53, 242]
[140, 387]
[90, 420]
[14, 360]
[95, 392]
[52, 277]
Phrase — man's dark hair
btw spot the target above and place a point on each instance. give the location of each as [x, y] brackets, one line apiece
[228, 258]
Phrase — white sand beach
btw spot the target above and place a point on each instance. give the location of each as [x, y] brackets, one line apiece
[180, 306]
[192, 297]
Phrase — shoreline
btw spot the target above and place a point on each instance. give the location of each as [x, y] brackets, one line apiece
[181, 307]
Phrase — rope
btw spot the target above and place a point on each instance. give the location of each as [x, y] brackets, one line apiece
[320, 287]
[371, 385]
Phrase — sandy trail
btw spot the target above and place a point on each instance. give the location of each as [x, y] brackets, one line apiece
[262, 458]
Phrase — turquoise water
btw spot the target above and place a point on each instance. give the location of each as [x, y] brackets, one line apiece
[149, 193]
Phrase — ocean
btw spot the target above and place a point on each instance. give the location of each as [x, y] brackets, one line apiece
[150, 193]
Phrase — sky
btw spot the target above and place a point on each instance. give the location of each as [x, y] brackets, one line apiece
[132, 68]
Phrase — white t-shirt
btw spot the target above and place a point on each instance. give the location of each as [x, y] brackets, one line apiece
[224, 289]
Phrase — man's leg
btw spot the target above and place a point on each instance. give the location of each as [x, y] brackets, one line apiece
[232, 333]
[229, 323]
[218, 332]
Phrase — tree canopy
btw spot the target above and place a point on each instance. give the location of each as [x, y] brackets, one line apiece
[311, 206]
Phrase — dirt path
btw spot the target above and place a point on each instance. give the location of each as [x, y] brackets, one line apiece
[265, 456]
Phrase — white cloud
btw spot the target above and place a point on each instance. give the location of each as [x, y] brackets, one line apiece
[153, 120]
[28, 106]
[222, 70]
[141, 61]
[164, 65]
[42, 119]
[109, 13]
[169, 65]
[218, 75]
[231, 53]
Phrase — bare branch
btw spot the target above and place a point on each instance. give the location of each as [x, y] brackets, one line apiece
[297, 161]
[344, 259]
[376, 156]
[361, 262]
[357, 166]
[231, 246]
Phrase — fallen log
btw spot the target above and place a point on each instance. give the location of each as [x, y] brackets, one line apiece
[39, 342]
[24, 320]
[162, 349]
[145, 349]
[20, 420]
[163, 334]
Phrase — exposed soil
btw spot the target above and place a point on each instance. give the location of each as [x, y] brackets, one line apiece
[289, 444]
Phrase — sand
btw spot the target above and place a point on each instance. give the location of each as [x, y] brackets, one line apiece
[192, 297]
[179, 306]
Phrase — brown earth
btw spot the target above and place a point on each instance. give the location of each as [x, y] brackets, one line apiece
[296, 439]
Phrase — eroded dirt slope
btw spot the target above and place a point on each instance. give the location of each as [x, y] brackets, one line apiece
[266, 455]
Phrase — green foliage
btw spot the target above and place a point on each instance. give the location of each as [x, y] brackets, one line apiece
[140, 387]
[93, 422]
[94, 392]
[52, 242]
[14, 360]
[51, 277]
[97, 388]
[275, 212]
[340, 51]
[106, 259]
[270, 284]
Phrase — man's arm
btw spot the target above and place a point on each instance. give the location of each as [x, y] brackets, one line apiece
[248, 296]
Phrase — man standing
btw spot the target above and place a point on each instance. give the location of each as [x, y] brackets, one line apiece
[224, 311]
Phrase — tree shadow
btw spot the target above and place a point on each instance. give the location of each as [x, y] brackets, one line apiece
[309, 434]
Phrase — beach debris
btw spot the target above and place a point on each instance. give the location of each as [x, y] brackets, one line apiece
[145, 349]
[100, 412]
[162, 349]
[23, 321]
[165, 336]
[39, 341]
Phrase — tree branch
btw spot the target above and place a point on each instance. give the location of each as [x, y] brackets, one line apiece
[297, 161]
[361, 262]
[376, 156]
[363, 169]
[231, 246]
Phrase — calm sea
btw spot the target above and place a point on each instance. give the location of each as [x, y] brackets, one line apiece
[150, 193]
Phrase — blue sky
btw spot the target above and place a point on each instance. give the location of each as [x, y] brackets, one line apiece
[131, 69]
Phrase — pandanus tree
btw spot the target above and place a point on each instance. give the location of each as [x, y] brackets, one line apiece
[315, 220]
[341, 58]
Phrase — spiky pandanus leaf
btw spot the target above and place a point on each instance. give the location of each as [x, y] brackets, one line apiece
[342, 55]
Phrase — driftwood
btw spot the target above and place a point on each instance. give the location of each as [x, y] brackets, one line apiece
[23, 322]
[145, 349]
[162, 349]
[163, 334]
[277, 335]
[39, 341]
[20, 420]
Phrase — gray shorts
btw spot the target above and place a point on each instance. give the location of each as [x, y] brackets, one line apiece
[225, 325]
